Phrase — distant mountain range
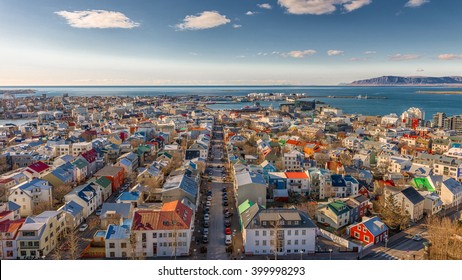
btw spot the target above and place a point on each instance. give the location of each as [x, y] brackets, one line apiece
[409, 81]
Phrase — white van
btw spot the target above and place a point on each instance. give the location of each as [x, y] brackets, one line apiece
[228, 240]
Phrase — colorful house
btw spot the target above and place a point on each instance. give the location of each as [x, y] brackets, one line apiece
[369, 231]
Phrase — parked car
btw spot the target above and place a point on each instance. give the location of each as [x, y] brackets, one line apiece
[209, 197]
[417, 237]
[228, 231]
[225, 198]
[205, 239]
[206, 224]
[83, 227]
[205, 231]
[223, 189]
[206, 217]
[225, 210]
[228, 214]
[228, 240]
[98, 212]
[225, 203]
[208, 203]
[227, 223]
[209, 192]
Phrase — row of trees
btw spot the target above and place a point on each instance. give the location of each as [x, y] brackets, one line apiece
[391, 213]
[445, 237]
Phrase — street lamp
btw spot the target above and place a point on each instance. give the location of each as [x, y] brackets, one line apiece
[301, 254]
[330, 253]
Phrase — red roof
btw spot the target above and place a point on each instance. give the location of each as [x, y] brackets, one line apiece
[38, 166]
[296, 175]
[173, 216]
[5, 180]
[90, 155]
[292, 142]
[11, 227]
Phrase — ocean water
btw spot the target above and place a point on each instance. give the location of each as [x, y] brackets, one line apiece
[398, 99]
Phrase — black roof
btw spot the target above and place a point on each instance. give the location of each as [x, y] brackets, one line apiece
[413, 195]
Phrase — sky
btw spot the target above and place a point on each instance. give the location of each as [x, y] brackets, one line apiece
[226, 42]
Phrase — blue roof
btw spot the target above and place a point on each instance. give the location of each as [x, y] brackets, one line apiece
[188, 185]
[73, 208]
[350, 178]
[63, 175]
[35, 183]
[129, 196]
[453, 185]
[122, 209]
[87, 188]
[13, 206]
[117, 232]
[375, 226]
[338, 181]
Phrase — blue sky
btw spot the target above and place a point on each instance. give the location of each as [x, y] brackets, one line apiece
[226, 42]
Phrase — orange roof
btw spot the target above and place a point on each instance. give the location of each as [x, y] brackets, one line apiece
[296, 175]
[11, 227]
[173, 215]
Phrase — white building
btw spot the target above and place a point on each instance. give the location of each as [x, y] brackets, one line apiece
[163, 233]
[277, 231]
[29, 194]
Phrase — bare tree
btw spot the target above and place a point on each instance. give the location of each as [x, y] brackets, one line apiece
[445, 237]
[153, 185]
[41, 207]
[93, 222]
[73, 245]
[321, 159]
[60, 191]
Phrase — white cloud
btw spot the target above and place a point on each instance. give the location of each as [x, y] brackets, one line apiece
[204, 20]
[97, 19]
[449, 56]
[237, 26]
[403, 57]
[420, 70]
[321, 7]
[370, 52]
[416, 3]
[358, 59]
[334, 52]
[299, 54]
[356, 4]
[193, 53]
[250, 13]
[265, 6]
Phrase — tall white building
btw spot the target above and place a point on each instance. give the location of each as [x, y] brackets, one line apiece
[277, 231]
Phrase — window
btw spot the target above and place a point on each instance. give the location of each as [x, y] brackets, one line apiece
[257, 243]
[366, 238]
[143, 237]
[170, 234]
[364, 229]
[289, 242]
[9, 244]
[257, 233]
[112, 254]
[264, 233]
[296, 232]
[160, 235]
[23, 253]
[124, 254]
[271, 232]
[296, 242]
[356, 234]
[111, 245]
[289, 232]
[303, 231]
[303, 242]
[123, 245]
[33, 253]
[9, 254]
[264, 242]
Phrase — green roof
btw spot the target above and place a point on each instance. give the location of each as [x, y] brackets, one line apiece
[339, 207]
[80, 163]
[422, 184]
[103, 182]
[244, 206]
[144, 149]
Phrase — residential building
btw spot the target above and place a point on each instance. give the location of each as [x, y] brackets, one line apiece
[40, 234]
[370, 231]
[335, 214]
[277, 231]
[28, 195]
